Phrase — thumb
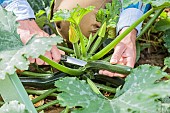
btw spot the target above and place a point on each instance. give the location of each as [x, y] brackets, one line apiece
[118, 51]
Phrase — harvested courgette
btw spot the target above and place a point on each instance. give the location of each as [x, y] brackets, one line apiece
[107, 66]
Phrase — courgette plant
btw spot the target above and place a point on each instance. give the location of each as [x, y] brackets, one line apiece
[14, 55]
[140, 92]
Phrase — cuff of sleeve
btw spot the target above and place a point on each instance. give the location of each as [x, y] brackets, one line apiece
[128, 17]
[21, 9]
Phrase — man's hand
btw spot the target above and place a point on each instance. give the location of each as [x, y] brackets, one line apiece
[124, 53]
[27, 29]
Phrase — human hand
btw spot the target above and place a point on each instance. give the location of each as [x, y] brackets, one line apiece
[124, 53]
[27, 29]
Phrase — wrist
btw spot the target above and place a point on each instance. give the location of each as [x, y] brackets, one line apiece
[131, 37]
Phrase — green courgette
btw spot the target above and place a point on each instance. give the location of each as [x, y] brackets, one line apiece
[107, 66]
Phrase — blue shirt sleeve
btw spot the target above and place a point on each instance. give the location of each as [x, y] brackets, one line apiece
[130, 14]
[4, 3]
[21, 8]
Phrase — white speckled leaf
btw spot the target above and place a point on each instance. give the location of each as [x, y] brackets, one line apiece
[17, 59]
[9, 39]
[139, 94]
[13, 107]
[13, 54]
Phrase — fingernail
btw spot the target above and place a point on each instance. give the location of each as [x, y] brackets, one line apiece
[113, 61]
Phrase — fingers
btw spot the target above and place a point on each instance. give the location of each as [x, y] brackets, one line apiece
[48, 54]
[118, 51]
[105, 72]
[110, 74]
[32, 60]
[55, 54]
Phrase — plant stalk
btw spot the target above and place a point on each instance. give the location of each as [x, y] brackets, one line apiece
[82, 44]
[28, 73]
[76, 50]
[110, 46]
[65, 49]
[96, 45]
[106, 88]
[43, 96]
[39, 92]
[91, 40]
[47, 105]
[149, 23]
[61, 67]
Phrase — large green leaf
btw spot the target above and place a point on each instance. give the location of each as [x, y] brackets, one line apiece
[13, 107]
[163, 25]
[139, 94]
[74, 16]
[156, 3]
[13, 54]
[9, 39]
[18, 59]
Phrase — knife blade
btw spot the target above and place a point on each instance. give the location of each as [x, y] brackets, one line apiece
[73, 60]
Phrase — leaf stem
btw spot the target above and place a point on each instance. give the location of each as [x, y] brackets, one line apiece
[96, 45]
[39, 92]
[149, 23]
[47, 105]
[28, 73]
[76, 50]
[43, 96]
[91, 40]
[65, 49]
[110, 46]
[82, 44]
[61, 67]
[106, 88]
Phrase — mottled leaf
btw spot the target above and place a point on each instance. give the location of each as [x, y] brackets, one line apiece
[141, 94]
[18, 59]
[13, 54]
[9, 39]
[13, 107]
[73, 16]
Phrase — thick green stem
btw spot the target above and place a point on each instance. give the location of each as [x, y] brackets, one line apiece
[164, 68]
[76, 49]
[149, 23]
[47, 105]
[39, 92]
[82, 44]
[28, 73]
[91, 40]
[106, 88]
[96, 45]
[109, 47]
[61, 67]
[65, 49]
[11, 89]
[43, 96]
